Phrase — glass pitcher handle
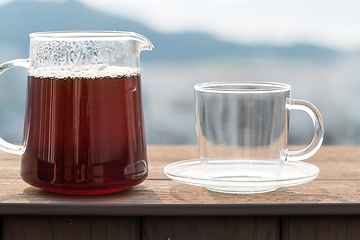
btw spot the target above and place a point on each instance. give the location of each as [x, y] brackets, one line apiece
[318, 130]
[4, 145]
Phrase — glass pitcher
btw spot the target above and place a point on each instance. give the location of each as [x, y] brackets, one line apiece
[84, 128]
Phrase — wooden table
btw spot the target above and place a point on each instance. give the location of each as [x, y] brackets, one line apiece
[326, 208]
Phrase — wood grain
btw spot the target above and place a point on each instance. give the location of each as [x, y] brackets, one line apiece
[321, 227]
[69, 227]
[159, 208]
[211, 228]
[335, 162]
[335, 190]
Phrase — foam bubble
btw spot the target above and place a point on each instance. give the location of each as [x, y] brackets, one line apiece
[88, 72]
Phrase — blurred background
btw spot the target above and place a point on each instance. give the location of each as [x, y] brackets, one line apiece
[313, 45]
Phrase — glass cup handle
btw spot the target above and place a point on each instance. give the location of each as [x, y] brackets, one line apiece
[317, 140]
[4, 145]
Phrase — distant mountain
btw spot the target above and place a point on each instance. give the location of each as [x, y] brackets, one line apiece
[22, 17]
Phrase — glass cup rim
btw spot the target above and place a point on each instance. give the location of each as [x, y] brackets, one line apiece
[270, 87]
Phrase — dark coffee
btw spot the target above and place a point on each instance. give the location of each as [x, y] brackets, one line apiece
[84, 136]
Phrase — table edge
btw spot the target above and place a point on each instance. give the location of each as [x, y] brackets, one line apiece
[180, 209]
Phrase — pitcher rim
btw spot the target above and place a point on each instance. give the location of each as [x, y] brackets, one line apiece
[70, 35]
[82, 34]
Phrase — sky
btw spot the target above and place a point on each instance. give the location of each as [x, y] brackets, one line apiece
[329, 23]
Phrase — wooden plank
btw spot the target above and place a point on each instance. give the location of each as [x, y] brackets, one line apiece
[160, 197]
[209, 228]
[335, 162]
[317, 191]
[334, 192]
[320, 227]
[171, 192]
[56, 227]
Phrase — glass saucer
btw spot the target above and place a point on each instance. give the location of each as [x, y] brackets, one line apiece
[241, 176]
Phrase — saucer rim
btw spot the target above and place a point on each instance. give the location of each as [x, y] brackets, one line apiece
[197, 181]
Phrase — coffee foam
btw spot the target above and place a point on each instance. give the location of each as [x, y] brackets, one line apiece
[88, 72]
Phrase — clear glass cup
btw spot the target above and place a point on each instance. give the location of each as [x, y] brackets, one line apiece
[84, 128]
[242, 130]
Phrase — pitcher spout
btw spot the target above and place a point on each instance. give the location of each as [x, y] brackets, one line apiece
[143, 42]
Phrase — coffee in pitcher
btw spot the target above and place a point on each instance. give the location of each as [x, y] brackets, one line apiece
[84, 131]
